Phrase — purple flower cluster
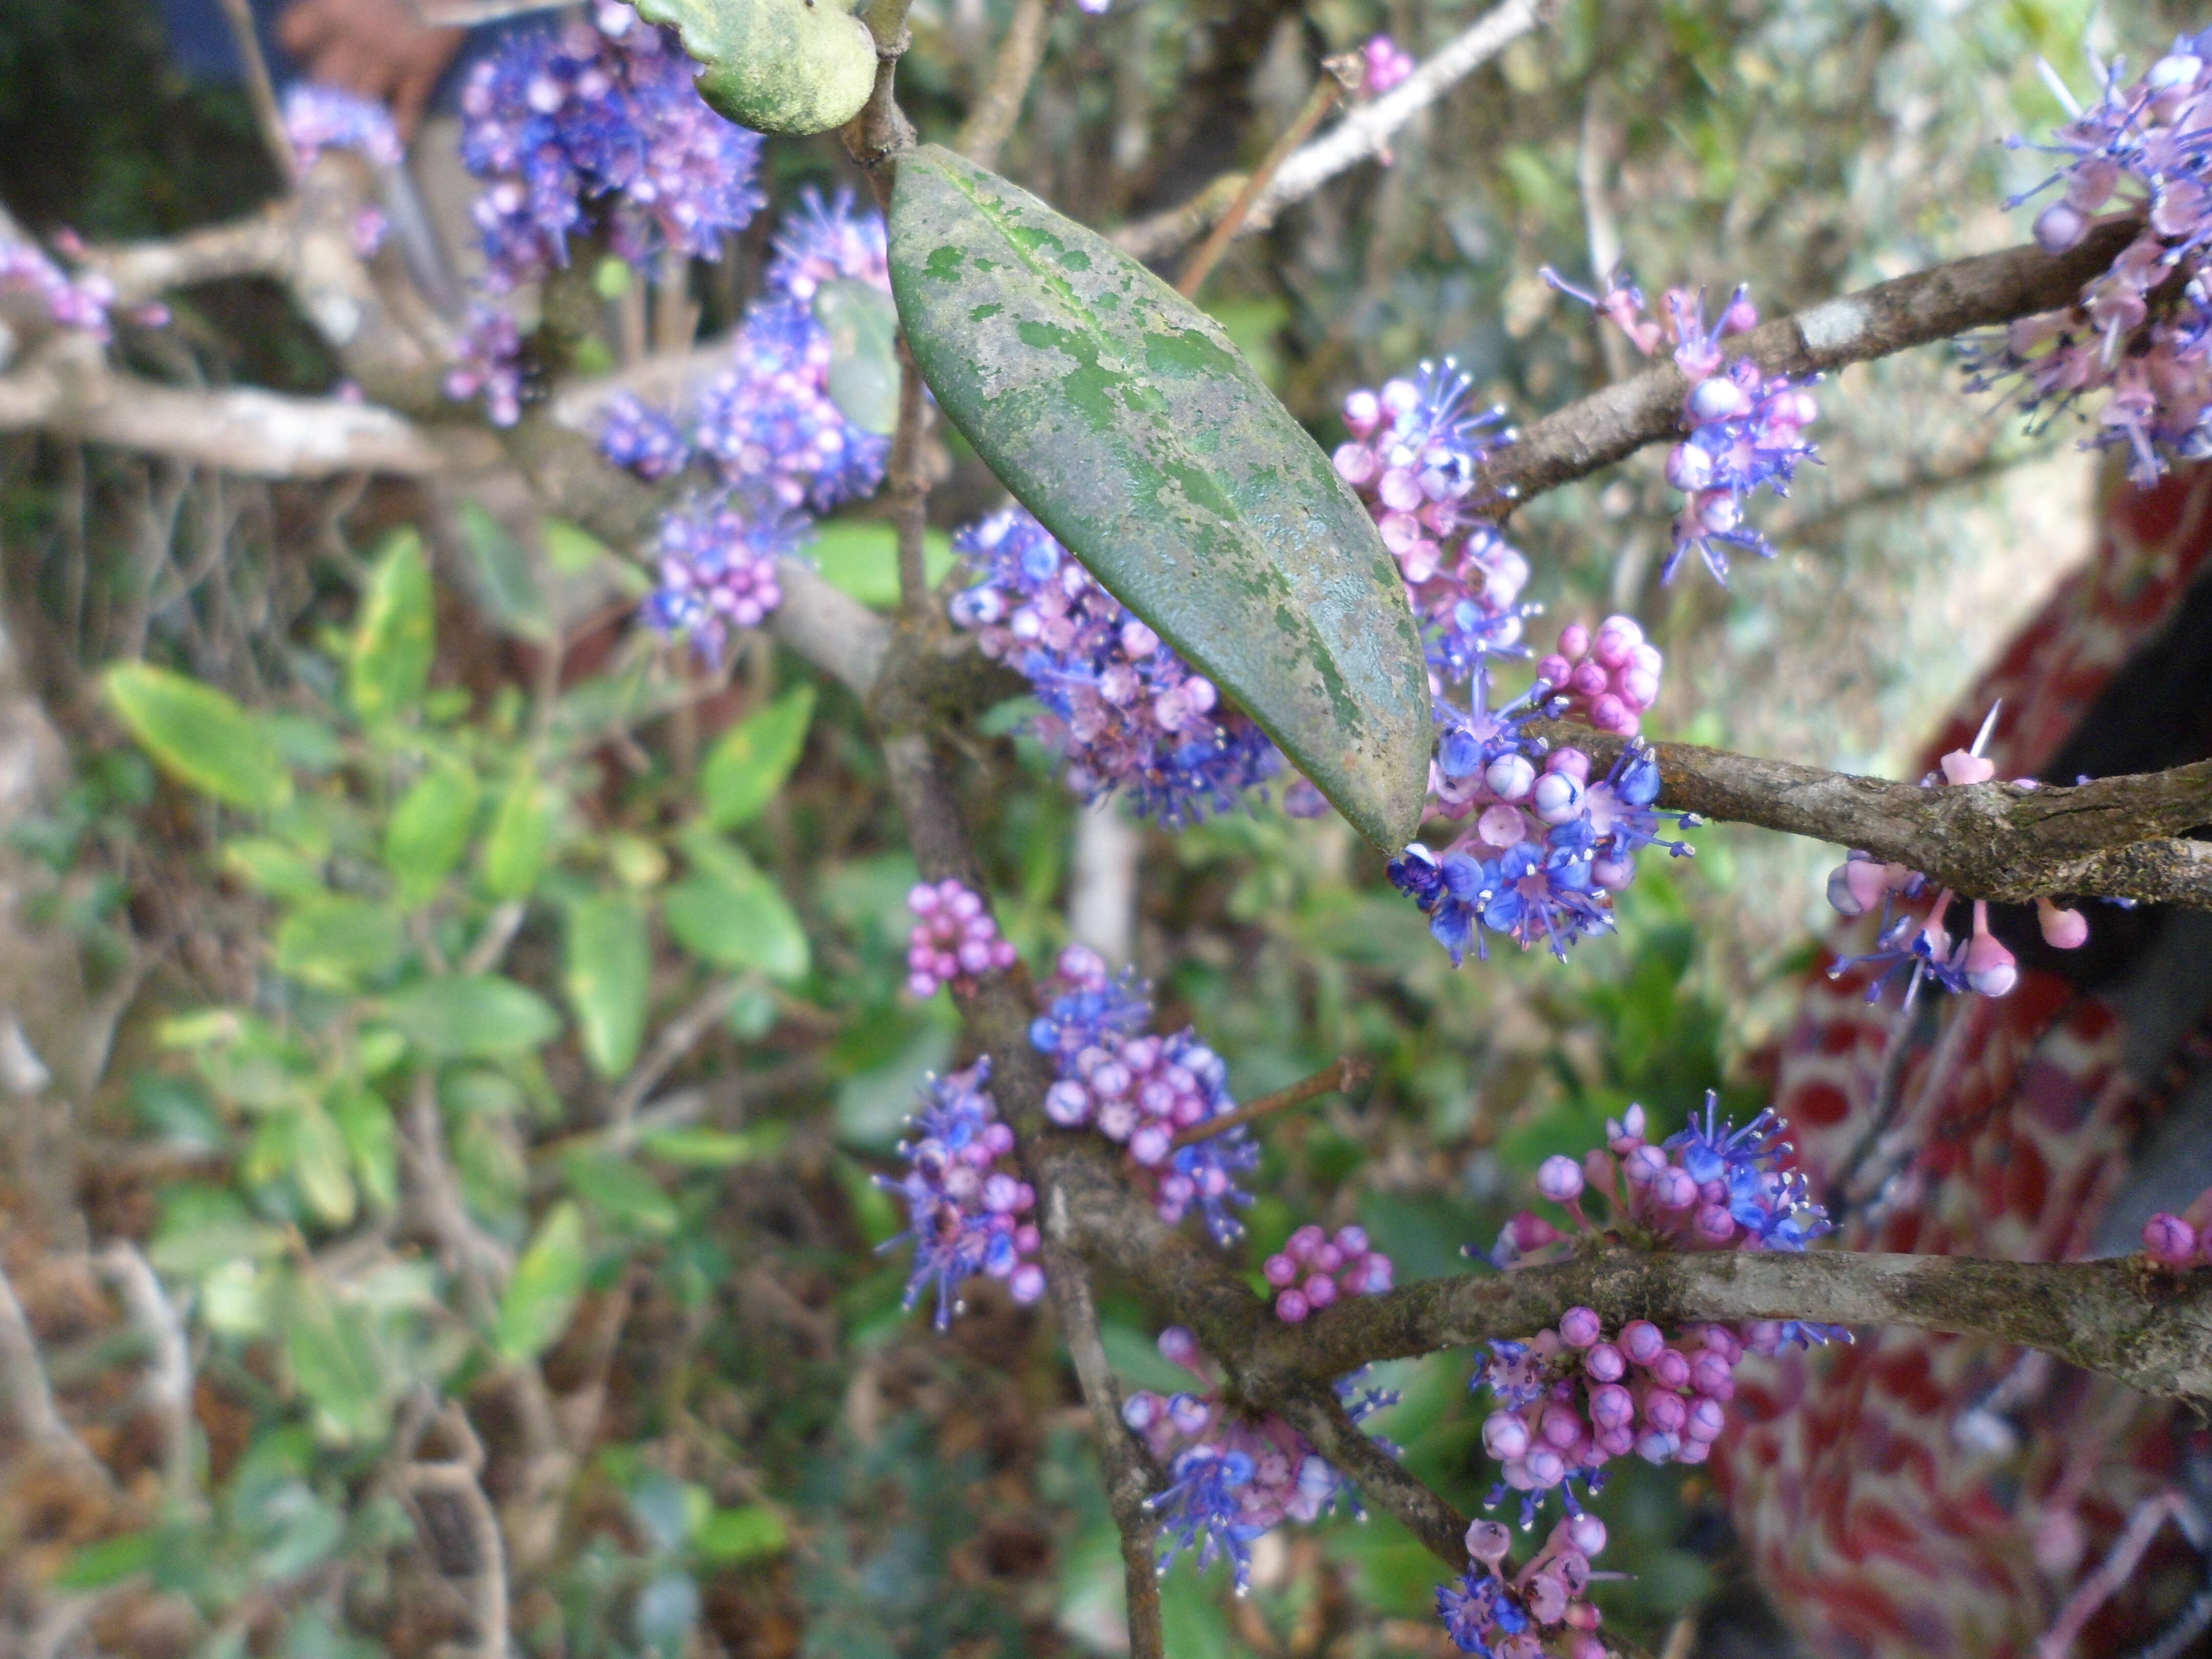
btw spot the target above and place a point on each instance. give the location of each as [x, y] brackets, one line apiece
[1745, 428]
[487, 364]
[1546, 849]
[1608, 681]
[1234, 1476]
[1914, 944]
[1122, 710]
[2143, 147]
[1312, 1270]
[2183, 1240]
[78, 302]
[319, 117]
[955, 938]
[964, 1200]
[768, 423]
[1573, 1398]
[717, 566]
[1385, 65]
[1413, 455]
[1139, 1089]
[1500, 1614]
[602, 113]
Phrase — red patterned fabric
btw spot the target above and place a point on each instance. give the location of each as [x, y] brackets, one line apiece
[1875, 1530]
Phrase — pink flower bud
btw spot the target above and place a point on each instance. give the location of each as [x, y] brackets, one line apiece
[1653, 1447]
[1715, 1224]
[1559, 1178]
[1609, 714]
[1665, 1412]
[1605, 1362]
[1642, 1340]
[2060, 226]
[2062, 930]
[1587, 1532]
[1501, 826]
[1643, 1165]
[1489, 1541]
[1554, 670]
[1990, 968]
[1716, 399]
[1574, 641]
[2168, 1239]
[1546, 1598]
[1611, 1406]
[1505, 1436]
[1617, 637]
[1710, 1373]
[1354, 463]
[1960, 767]
[1510, 777]
[1562, 1426]
[1706, 1420]
[1670, 1369]
[1027, 1284]
[1841, 899]
[1302, 1244]
[1557, 799]
[1290, 1307]
[1320, 1290]
[1578, 1327]
[1279, 1271]
[1689, 468]
[1547, 1468]
[1672, 1189]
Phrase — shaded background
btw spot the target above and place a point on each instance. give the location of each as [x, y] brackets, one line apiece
[938, 1492]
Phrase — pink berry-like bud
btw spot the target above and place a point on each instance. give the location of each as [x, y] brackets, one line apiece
[1672, 1189]
[1715, 1224]
[2062, 930]
[1644, 1164]
[1547, 1468]
[1710, 1373]
[1510, 777]
[1028, 1283]
[921, 899]
[1320, 1290]
[1279, 1271]
[1841, 899]
[1352, 1241]
[1706, 1420]
[1665, 1412]
[1554, 670]
[1716, 399]
[1562, 1426]
[1609, 714]
[1618, 636]
[2168, 1239]
[2060, 226]
[1990, 968]
[1557, 799]
[1578, 1327]
[1559, 1179]
[1689, 468]
[1489, 1541]
[1587, 1532]
[1960, 767]
[1290, 1307]
[1505, 1436]
[1605, 1363]
[1546, 1598]
[1670, 1369]
[1611, 1406]
[1655, 1446]
[1141, 1411]
[1642, 1340]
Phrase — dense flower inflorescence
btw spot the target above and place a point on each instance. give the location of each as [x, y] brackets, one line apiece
[965, 1200]
[1122, 709]
[603, 114]
[643, 439]
[1747, 428]
[1912, 942]
[1501, 1613]
[319, 118]
[487, 364]
[1140, 1090]
[955, 939]
[1313, 1269]
[716, 561]
[1546, 849]
[1234, 1476]
[1572, 1398]
[2142, 146]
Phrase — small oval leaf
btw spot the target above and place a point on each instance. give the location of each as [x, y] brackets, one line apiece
[429, 831]
[480, 1017]
[749, 764]
[1121, 414]
[395, 636]
[790, 67]
[607, 972]
[200, 736]
[548, 1282]
[862, 324]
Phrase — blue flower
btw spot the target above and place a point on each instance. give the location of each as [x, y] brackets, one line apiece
[1542, 892]
[1768, 1201]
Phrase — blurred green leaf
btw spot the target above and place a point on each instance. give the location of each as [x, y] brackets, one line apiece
[514, 852]
[507, 588]
[624, 1196]
[320, 1162]
[429, 831]
[95, 1566]
[199, 736]
[608, 972]
[861, 558]
[338, 943]
[333, 1358]
[364, 1123]
[472, 1016]
[275, 868]
[862, 324]
[749, 764]
[726, 1536]
[396, 635]
[712, 1149]
[730, 914]
[572, 548]
[549, 1278]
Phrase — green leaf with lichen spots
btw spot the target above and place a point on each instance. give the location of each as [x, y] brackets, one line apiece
[791, 67]
[395, 636]
[1121, 414]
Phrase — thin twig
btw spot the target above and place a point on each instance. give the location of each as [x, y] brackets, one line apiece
[29, 1395]
[991, 121]
[260, 89]
[459, 1519]
[168, 1386]
[676, 1039]
[1345, 1075]
[499, 931]
[1364, 133]
[907, 485]
[1339, 77]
